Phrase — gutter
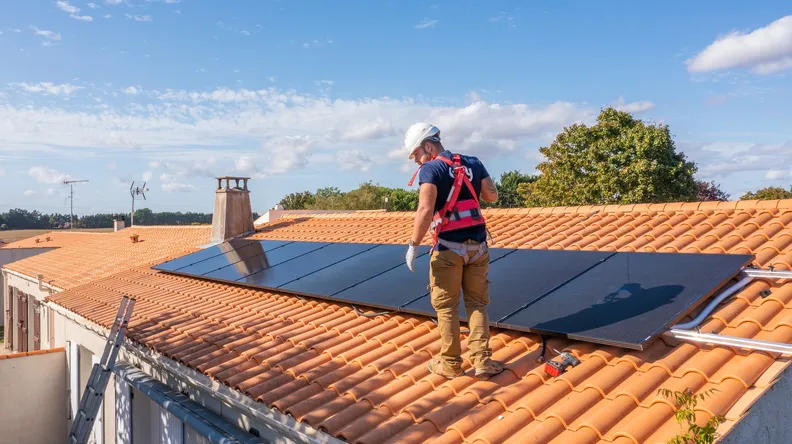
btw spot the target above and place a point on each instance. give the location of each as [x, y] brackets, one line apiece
[284, 425]
[216, 429]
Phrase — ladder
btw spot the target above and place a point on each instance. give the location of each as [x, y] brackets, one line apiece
[100, 374]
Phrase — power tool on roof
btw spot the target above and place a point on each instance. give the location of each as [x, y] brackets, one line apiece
[555, 368]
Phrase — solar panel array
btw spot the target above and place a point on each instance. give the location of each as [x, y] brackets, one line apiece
[624, 299]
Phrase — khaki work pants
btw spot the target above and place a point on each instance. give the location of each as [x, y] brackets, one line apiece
[447, 275]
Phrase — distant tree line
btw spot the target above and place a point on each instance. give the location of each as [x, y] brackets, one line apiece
[20, 219]
[618, 160]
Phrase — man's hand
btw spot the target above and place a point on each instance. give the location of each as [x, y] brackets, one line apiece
[410, 257]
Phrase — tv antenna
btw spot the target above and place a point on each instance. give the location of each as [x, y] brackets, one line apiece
[136, 191]
[71, 183]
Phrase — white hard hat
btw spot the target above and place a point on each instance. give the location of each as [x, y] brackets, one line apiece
[417, 133]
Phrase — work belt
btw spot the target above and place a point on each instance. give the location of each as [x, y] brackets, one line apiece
[463, 249]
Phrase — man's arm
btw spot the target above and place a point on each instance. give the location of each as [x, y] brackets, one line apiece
[489, 192]
[423, 217]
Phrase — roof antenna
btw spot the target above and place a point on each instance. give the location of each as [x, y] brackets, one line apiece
[136, 191]
[71, 183]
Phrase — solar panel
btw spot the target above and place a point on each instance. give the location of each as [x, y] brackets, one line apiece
[629, 299]
[238, 258]
[351, 271]
[282, 273]
[398, 286]
[522, 276]
[263, 261]
[201, 255]
[623, 299]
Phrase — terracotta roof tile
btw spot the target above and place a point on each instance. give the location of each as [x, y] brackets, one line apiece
[100, 255]
[365, 378]
[53, 239]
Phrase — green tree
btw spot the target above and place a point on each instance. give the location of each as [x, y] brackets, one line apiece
[508, 185]
[769, 193]
[619, 160]
[400, 199]
[297, 201]
[709, 192]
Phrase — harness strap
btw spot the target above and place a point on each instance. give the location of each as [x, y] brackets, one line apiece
[463, 249]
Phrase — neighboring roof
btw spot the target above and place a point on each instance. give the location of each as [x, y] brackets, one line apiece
[101, 255]
[53, 239]
[365, 378]
[32, 353]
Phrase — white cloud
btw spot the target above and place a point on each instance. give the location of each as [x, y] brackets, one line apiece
[113, 2]
[131, 90]
[171, 185]
[48, 88]
[774, 174]
[2, 172]
[139, 18]
[426, 23]
[107, 16]
[47, 175]
[50, 36]
[73, 11]
[30, 192]
[765, 50]
[93, 5]
[633, 107]
[51, 191]
[723, 158]
[147, 175]
[112, 166]
[292, 130]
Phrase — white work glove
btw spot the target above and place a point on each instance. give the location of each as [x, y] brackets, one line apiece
[410, 257]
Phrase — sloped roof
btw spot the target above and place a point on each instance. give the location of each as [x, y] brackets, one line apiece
[365, 378]
[53, 239]
[101, 255]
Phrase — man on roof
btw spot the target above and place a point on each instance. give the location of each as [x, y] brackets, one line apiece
[450, 187]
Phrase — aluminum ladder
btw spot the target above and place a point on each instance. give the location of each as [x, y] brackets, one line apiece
[100, 374]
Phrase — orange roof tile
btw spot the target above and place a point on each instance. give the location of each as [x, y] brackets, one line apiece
[53, 239]
[365, 378]
[101, 255]
[32, 353]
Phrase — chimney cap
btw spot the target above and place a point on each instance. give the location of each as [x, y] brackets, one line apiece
[228, 180]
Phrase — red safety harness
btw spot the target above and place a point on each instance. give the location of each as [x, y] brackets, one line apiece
[456, 214]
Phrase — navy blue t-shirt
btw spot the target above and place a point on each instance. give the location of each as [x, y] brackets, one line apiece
[441, 175]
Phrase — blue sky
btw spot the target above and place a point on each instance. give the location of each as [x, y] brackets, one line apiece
[301, 95]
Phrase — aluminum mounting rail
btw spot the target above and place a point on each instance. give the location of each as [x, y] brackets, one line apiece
[732, 341]
[773, 274]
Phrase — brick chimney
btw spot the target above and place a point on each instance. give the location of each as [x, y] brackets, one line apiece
[232, 212]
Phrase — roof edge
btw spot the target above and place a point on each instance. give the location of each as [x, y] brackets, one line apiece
[617, 208]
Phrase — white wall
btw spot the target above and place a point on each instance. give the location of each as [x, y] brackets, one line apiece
[33, 400]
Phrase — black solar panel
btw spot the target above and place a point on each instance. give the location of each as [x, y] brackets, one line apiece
[282, 273]
[201, 255]
[521, 277]
[353, 270]
[622, 299]
[266, 260]
[630, 298]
